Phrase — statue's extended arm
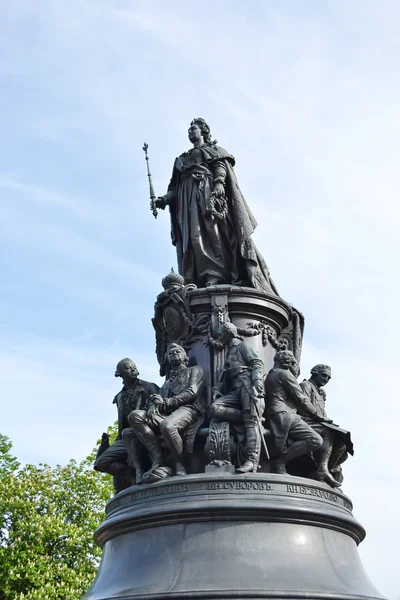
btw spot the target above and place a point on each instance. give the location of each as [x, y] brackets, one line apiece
[163, 201]
[170, 196]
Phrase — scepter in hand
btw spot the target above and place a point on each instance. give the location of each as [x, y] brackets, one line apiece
[153, 205]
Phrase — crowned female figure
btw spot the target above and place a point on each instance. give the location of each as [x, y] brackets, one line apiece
[210, 220]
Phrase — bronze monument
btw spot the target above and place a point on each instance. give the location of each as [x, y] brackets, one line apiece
[239, 464]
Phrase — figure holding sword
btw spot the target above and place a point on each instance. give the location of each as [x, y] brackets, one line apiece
[243, 381]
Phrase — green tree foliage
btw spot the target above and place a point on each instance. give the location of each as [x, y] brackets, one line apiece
[47, 519]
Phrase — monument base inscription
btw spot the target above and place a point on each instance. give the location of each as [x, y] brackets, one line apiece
[213, 535]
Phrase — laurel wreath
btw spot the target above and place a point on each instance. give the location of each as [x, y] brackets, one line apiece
[218, 207]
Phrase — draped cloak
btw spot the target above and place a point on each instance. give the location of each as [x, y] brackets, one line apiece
[207, 246]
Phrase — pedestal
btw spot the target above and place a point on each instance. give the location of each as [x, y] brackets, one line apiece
[220, 535]
[190, 318]
[245, 308]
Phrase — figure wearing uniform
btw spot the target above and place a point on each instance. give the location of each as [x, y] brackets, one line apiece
[336, 441]
[293, 437]
[119, 458]
[243, 380]
[175, 414]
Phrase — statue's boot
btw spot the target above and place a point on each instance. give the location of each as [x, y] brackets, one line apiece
[139, 476]
[179, 468]
[337, 475]
[246, 467]
[122, 471]
[148, 439]
[338, 457]
[252, 444]
[295, 449]
[156, 455]
[132, 444]
[322, 473]
[279, 467]
[224, 413]
[122, 476]
[119, 484]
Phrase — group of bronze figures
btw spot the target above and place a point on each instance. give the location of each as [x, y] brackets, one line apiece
[270, 419]
[157, 427]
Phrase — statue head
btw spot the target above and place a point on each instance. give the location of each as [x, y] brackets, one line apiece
[173, 281]
[126, 369]
[321, 374]
[177, 355]
[226, 332]
[284, 359]
[199, 128]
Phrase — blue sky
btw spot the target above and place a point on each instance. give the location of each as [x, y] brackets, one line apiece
[305, 94]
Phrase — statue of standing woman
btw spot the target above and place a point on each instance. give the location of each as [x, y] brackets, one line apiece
[210, 219]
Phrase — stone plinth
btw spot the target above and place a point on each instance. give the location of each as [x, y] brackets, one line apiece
[215, 535]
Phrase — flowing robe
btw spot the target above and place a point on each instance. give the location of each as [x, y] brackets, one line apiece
[209, 247]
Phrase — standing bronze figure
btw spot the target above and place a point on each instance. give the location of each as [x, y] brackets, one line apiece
[210, 219]
[241, 390]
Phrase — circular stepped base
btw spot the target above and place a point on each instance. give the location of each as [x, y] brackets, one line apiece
[216, 535]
